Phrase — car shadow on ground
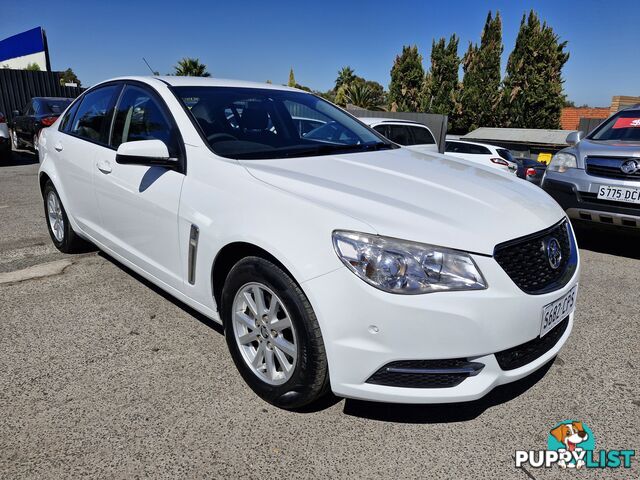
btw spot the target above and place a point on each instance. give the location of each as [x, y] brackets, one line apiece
[167, 296]
[20, 157]
[443, 412]
[387, 412]
[612, 241]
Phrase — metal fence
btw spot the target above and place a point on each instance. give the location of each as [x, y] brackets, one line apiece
[436, 123]
[17, 87]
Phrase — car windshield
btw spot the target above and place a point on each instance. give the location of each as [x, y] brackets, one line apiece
[55, 107]
[506, 154]
[252, 123]
[623, 127]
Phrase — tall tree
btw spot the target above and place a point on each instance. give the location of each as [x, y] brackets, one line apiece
[292, 78]
[69, 76]
[532, 94]
[480, 93]
[346, 75]
[191, 67]
[442, 81]
[407, 81]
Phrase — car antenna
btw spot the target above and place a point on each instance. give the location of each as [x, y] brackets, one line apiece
[152, 70]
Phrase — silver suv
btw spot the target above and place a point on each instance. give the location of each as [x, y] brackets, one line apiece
[597, 179]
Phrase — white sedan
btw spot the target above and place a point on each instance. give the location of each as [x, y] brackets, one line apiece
[482, 153]
[339, 263]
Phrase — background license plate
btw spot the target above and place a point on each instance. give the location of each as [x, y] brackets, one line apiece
[555, 312]
[620, 194]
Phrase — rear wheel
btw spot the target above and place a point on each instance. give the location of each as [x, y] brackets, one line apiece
[273, 334]
[62, 235]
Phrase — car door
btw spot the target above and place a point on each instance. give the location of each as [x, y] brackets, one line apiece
[83, 133]
[139, 204]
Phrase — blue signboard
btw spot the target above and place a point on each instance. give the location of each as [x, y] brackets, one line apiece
[25, 43]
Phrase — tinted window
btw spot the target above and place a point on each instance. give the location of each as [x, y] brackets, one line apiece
[625, 126]
[422, 136]
[53, 106]
[94, 114]
[381, 129]
[139, 116]
[252, 123]
[28, 109]
[459, 147]
[399, 134]
[65, 124]
[506, 154]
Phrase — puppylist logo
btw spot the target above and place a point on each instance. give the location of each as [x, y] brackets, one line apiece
[571, 444]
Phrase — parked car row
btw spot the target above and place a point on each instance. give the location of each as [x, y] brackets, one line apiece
[5, 138]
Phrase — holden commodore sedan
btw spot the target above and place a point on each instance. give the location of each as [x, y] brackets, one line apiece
[344, 263]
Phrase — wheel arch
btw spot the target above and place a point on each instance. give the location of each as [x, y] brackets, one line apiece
[231, 254]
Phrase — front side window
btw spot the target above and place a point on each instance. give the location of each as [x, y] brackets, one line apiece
[623, 127]
[251, 123]
[94, 114]
[422, 136]
[139, 116]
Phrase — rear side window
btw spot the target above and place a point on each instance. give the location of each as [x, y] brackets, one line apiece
[399, 134]
[459, 147]
[506, 154]
[422, 136]
[381, 129]
[140, 116]
[65, 124]
[94, 114]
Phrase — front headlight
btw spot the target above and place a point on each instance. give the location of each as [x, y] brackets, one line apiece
[562, 161]
[399, 266]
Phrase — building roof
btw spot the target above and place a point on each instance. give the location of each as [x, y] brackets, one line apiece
[519, 135]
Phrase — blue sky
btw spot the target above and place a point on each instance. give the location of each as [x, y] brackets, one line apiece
[261, 40]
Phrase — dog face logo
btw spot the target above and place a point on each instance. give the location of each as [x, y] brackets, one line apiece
[570, 434]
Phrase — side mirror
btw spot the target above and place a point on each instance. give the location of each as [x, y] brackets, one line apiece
[145, 152]
[574, 137]
[15, 113]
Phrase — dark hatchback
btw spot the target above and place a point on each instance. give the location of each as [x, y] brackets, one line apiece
[38, 113]
[530, 170]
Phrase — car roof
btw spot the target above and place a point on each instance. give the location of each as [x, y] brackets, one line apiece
[380, 120]
[176, 81]
[52, 98]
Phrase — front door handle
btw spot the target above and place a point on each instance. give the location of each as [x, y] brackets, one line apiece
[104, 166]
[58, 147]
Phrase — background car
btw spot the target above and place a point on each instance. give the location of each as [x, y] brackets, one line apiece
[5, 142]
[412, 135]
[38, 113]
[530, 170]
[482, 153]
[597, 179]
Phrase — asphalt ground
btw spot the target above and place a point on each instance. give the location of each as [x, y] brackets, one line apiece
[102, 375]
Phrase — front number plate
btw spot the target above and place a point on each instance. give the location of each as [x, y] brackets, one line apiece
[619, 194]
[555, 312]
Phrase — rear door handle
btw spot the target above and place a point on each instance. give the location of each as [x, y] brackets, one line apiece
[104, 166]
[58, 147]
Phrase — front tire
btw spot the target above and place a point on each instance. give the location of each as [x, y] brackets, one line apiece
[273, 334]
[62, 235]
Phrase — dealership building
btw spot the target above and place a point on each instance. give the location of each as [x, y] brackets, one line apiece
[25, 49]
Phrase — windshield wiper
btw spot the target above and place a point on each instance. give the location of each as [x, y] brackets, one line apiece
[325, 149]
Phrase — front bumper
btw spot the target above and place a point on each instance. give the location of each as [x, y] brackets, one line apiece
[365, 329]
[576, 192]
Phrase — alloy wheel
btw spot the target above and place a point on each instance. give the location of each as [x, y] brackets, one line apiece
[264, 333]
[56, 218]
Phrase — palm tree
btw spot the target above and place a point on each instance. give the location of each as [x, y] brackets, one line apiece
[346, 75]
[361, 95]
[191, 67]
